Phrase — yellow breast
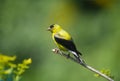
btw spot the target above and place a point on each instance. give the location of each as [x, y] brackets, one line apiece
[63, 35]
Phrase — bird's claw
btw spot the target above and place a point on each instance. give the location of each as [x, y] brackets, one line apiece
[68, 56]
[55, 50]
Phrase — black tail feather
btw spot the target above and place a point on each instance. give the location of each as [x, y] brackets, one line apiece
[81, 61]
[79, 53]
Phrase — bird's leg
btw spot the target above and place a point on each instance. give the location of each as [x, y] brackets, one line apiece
[56, 50]
[80, 60]
[68, 55]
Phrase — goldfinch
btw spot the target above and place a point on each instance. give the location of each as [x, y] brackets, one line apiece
[64, 41]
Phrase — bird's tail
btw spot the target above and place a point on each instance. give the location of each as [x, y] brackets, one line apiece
[78, 53]
[80, 60]
[78, 57]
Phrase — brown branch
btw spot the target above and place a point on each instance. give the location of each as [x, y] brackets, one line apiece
[57, 51]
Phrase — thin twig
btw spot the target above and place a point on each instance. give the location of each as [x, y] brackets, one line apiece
[83, 64]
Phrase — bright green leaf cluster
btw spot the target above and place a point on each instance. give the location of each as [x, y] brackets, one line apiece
[9, 68]
[106, 72]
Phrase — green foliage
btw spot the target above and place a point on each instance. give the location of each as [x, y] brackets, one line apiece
[10, 71]
[106, 72]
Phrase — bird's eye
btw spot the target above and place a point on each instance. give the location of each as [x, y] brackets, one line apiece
[51, 26]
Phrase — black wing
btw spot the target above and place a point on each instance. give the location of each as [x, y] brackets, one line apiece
[68, 44]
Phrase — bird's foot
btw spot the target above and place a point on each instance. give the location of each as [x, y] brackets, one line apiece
[55, 50]
[68, 56]
[82, 62]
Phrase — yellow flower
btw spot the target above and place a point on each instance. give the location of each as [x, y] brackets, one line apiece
[8, 71]
[8, 67]
[5, 59]
[12, 65]
[21, 67]
[27, 61]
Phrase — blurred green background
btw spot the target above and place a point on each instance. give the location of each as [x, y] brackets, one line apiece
[93, 24]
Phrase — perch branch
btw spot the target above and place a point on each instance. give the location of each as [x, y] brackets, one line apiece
[57, 51]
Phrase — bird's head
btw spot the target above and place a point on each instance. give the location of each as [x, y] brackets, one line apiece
[54, 28]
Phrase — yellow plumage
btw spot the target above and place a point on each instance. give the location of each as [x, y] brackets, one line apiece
[58, 31]
[63, 40]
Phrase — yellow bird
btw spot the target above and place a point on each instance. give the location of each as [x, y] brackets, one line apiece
[64, 41]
